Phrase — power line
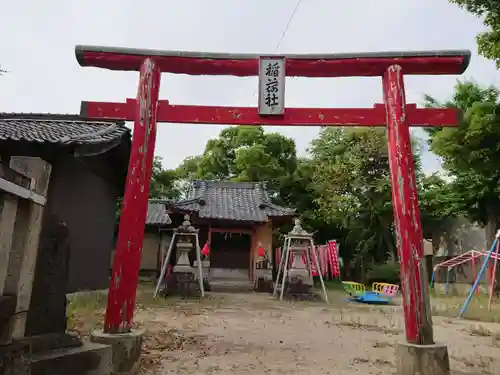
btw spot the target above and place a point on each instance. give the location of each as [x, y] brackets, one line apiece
[283, 34]
[289, 22]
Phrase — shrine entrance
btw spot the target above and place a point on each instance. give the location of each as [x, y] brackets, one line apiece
[230, 251]
[147, 109]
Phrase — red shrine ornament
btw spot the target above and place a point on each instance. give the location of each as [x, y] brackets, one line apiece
[206, 250]
[261, 252]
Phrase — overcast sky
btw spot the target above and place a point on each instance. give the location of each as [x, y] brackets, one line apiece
[37, 40]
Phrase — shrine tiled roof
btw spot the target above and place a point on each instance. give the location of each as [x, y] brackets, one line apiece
[157, 213]
[59, 129]
[242, 201]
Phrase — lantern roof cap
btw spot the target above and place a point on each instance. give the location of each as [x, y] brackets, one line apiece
[298, 231]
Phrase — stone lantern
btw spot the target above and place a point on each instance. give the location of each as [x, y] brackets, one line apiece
[300, 242]
[185, 234]
[295, 280]
[184, 279]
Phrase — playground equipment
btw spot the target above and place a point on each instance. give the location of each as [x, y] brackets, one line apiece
[147, 109]
[353, 288]
[494, 248]
[299, 275]
[386, 289]
[469, 256]
[381, 293]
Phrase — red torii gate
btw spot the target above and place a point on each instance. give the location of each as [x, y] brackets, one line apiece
[146, 110]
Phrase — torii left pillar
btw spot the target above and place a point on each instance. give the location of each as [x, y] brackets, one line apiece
[127, 258]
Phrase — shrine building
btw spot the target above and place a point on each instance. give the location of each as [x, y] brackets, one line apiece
[236, 218]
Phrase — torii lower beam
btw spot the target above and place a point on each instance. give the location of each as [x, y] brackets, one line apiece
[397, 115]
[212, 115]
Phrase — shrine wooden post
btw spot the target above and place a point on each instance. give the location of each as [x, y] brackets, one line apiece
[395, 113]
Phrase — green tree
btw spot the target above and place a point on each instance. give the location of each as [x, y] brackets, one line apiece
[189, 167]
[297, 190]
[471, 153]
[186, 172]
[351, 178]
[247, 153]
[437, 208]
[488, 42]
[163, 181]
[163, 184]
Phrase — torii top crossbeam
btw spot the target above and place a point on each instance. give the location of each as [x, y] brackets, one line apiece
[310, 65]
[297, 65]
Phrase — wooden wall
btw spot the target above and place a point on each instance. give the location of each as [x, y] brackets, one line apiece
[149, 255]
[263, 236]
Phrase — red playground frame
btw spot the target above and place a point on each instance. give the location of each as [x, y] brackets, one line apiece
[146, 110]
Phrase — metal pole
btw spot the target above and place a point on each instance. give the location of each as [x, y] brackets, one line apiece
[198, 260]
[480, 275]
[408, 230]
[447, 283]
[319, 272]
[433, 277]
[127, 259]
[280, 266]
[165, 265]
[474, 270]
[493, 277]
[285, 268]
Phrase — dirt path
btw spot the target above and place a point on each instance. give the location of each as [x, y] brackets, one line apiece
[254, 334]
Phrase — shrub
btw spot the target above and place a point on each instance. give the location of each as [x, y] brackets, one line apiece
[384, 273]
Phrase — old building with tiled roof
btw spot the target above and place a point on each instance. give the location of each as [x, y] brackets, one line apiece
[239, 201]
[236, 219]
[89, 162]
[157, 213]
[68, 130]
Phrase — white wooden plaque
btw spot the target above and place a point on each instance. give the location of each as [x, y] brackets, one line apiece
[271, 86]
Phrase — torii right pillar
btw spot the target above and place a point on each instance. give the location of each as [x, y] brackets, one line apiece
[419, 355]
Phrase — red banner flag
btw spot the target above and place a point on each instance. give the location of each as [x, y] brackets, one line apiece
[206, 250]
[333, 256]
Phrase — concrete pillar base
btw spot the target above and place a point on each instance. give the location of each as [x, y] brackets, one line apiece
[88, 359]
[126, 347]
[414, 359]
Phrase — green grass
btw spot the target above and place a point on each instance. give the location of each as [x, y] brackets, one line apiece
[442, 305]
[85, 310]
[449, 306]
[334, 285]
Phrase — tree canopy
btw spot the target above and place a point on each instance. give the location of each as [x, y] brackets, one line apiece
[471, 153]
[163, 182]
[488, 42]
[246, 153]
[351, 179]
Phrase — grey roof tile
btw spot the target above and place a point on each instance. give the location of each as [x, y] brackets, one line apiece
[246, 201]
[157, 213]
[58, 129]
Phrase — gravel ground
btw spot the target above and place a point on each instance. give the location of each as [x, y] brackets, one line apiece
[255, 334]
